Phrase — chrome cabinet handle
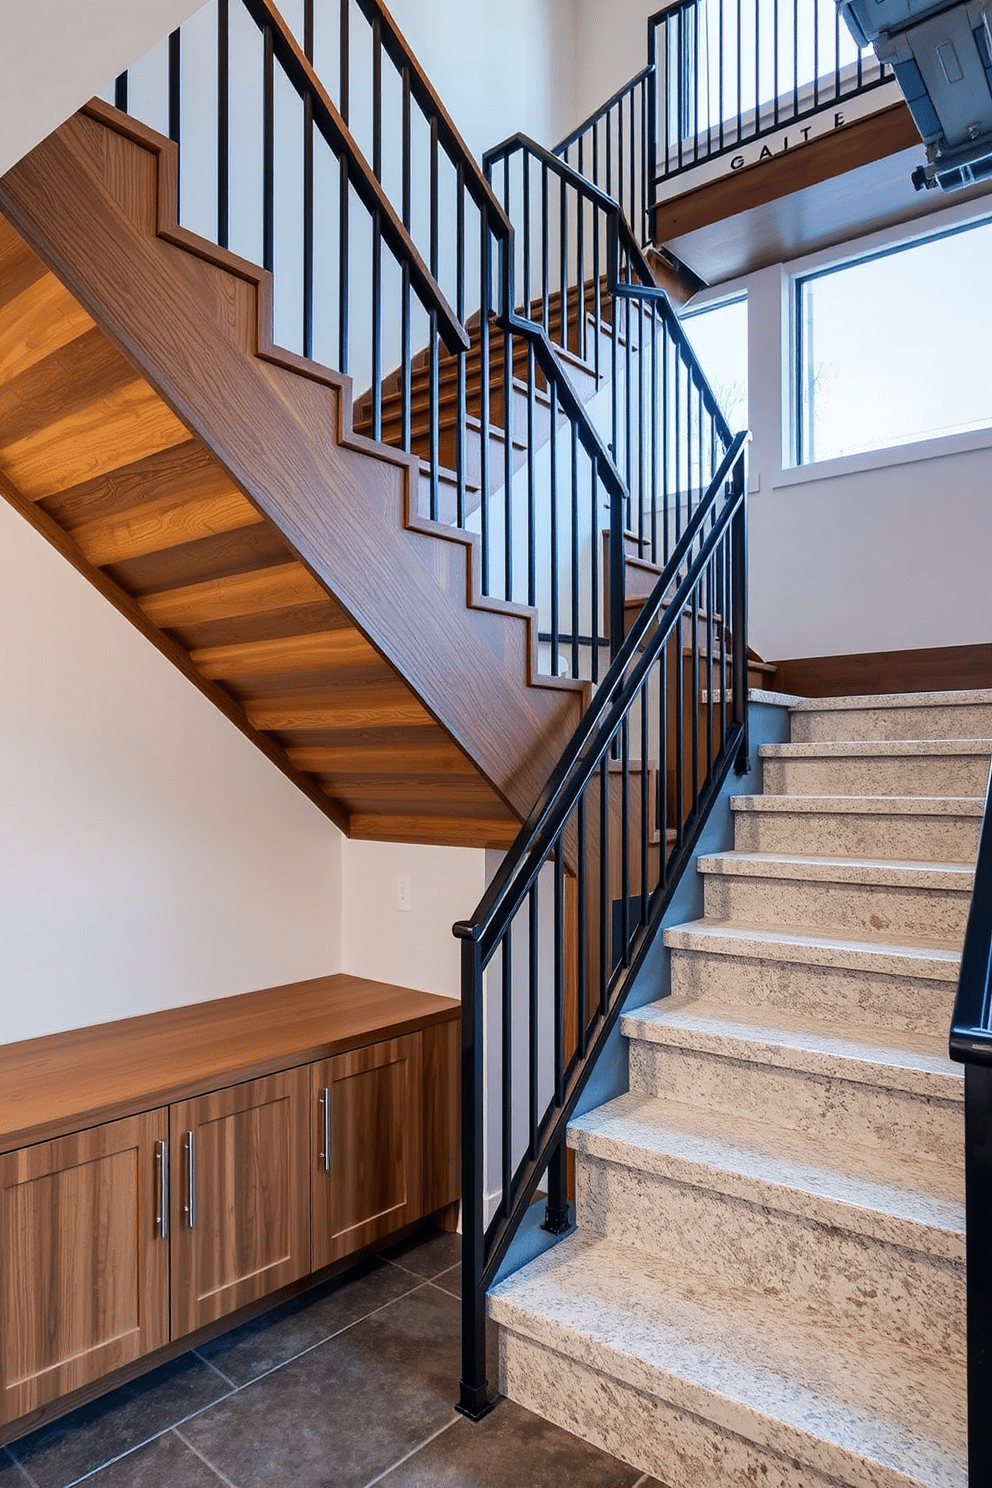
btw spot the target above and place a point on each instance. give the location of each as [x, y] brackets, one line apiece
[162, 1185]
[325, 1106]
[189, 1208]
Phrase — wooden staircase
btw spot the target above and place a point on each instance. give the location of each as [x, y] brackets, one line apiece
[213, 488]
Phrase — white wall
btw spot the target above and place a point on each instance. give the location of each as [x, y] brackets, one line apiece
[150, 856]
[56, 54]
[608, 53]
[415, 947]
[879, 552]
[499, 68]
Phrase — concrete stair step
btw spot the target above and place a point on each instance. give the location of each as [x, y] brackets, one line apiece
[700, 1382]
[842, 894]
[913, 715]
[900, 1095]
[872, 983]
[877, 1240]
[941, 829]
[903, 767]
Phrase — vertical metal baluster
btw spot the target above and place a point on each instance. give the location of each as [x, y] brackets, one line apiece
[679, 731]
[308, 226]
[545, 249]
[677, 400]
[740, 77]
[816, 61]
[473, 1391]
[663, 757]
[696, 621]
[720, 108]
[176, 107]
[641, 451]
[344, 60]
[531, 478]
[435, 377]
[667, 443]
[655, 434]
[120, 92]
[632, 198]
[574, 523]
[624, 844]
[434, 397]
[621, 157]
[461, 412]
[795, 56]
[268, 150]
[646, 823]
[525, 219]
[376, 326]
[377, 98]
[609, 154]
[406, 148]
[223, 124]
[508, 420]
[553, 519]
[580, 254]
[597, 600]
[775, 50]
[507, 1065]
[709, 667]
[695, 83]
[532, 1022]
[582, 970]
[344, 265]
[757, 67]
[606, 957]
[563, 265]
[559, 988]
[485, 373]
[597, 292]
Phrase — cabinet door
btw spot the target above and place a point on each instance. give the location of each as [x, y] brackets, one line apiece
[240, 1199]
[84, 1264]
[367, 1106]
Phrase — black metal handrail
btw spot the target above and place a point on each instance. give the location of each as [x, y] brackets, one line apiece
[597, 863]
[721, 75]
[415, 301]
[971, 1045]
[584, 279]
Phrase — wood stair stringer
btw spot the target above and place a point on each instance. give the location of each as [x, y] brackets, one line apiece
[105, 182]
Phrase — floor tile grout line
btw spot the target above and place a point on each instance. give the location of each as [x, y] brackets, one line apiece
[412, 1453]
[19, 1464]
[205, 1460]
[232, 1384]
[318, 1343]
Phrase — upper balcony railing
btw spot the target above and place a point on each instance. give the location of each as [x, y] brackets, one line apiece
[721, 75]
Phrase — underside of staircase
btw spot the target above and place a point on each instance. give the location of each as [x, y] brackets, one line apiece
[766, 1284]
[212, 486]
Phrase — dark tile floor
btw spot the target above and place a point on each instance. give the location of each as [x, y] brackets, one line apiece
[349, 1385]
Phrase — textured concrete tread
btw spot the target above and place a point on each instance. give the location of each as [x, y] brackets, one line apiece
[862, 1407]
[935, 959]
[862, 805]
[874, 748]
[892, 700]
[896, 871]
[914, 1202]
[895, 1060]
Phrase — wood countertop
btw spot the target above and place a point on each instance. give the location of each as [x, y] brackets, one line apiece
[68, 1081]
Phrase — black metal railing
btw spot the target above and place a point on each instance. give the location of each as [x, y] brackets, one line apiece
[721, 75]
[971, 1045]
[584, 279]
[563, 929]
[327, 157]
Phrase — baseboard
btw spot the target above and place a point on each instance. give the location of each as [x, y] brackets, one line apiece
[936, 669]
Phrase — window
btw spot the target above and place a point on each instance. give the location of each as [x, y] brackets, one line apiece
[894, 348]
[719, 338]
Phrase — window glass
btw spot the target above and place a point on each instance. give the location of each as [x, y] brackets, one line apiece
[719, 338]
[893, 348]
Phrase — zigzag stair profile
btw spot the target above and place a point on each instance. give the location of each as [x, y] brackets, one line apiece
[767, 1279]
[211, 486]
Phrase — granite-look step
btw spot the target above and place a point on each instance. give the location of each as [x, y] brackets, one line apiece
[913, 715]
[899, 1095]
[850, 1230]
[926, 829]
[868, 897]
[697, 1382]
[875, 984]
[952, 767]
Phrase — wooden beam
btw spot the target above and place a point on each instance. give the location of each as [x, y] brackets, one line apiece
[834, 154]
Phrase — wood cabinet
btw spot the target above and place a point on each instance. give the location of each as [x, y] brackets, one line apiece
[240, 1205]
[367, 1170]
[162, 1173]
[84, 1264]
